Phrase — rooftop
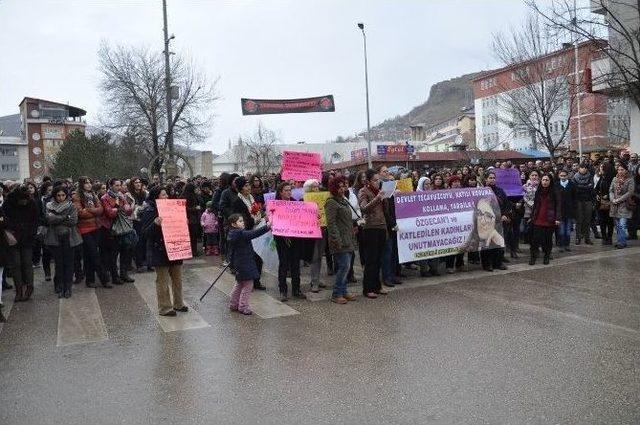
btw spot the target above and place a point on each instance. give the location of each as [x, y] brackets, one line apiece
[74, 111]
[10, 126]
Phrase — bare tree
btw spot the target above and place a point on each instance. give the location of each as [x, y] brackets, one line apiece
[260, 150]
[617, 20]
[539, 98]
[133, 86]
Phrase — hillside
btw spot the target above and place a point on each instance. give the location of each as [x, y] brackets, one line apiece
[446, 99]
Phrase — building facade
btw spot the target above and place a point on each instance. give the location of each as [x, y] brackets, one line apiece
[14, 152]
[500, 126]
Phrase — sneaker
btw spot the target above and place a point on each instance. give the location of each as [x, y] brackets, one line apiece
[182, 309]
[170, 313]
[339, 300]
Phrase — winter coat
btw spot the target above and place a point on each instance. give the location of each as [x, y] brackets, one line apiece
[372, 209]
[339, 225]
[111, 210]
[21, 219]
[239, 207]
[88, 213]
[62, 220]
[553, 211]
[620, 202]
[156, 251]
[209, 222]
[242, 255]
[567, 200]
[193, 210]
[226, 202]
[584, 187]
[506, 208]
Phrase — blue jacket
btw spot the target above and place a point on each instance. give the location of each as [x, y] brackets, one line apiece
[242, 255]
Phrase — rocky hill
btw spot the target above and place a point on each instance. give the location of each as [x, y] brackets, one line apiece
[446, 99]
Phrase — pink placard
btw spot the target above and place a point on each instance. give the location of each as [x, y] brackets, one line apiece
[175, 228]
[301, 166]
[294, 219]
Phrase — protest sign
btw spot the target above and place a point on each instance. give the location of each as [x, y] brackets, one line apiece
[269, 196]
[265, 247]
[405, 185]
[320, 198]
[175, 228]
[297, 193]
[301, 166]
[508, 179]
[389, 188]
[294, 219]
[447, 222]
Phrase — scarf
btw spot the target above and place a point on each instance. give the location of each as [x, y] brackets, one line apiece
[583, 181]
[248, 201]
[619, 181]
[60, 208]
[89, 199]
[114, 195]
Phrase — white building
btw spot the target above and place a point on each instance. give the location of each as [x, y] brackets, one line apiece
[14, 150]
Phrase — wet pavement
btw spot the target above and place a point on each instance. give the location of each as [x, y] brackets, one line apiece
[542, 344]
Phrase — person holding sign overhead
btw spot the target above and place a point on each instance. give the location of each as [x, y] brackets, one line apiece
[288, 249]
[374, 234]
[157, 257]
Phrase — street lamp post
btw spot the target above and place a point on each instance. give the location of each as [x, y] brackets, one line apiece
[167, 72]
[366, 85]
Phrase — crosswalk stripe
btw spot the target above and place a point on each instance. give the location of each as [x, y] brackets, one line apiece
[145, 284]
[80, 319]
[8, 305]
[262, 304]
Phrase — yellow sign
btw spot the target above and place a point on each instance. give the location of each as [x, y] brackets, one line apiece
[405, 185]
[319, 198]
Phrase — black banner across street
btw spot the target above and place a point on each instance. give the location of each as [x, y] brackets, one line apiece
[288, 106]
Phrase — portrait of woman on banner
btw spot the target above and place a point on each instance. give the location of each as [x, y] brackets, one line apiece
[487, 226]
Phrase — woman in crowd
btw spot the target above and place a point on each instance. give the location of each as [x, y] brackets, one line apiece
[438, 182]
[470, 180]
[44, 196]
[288, 254]
[157, 258]
[545, 216]
[114, 203]
[340, 237]
[454, 262]
[528, 199]
[314, 249]
[194, 210]
[492, 258]
[257, 189]
[62, 237]
[21, 215]
[374, 234]
[603, 203]
[424, 184]
[585, 196]
[620, 194]
[245, 205]
[89, 208]
[138, 195]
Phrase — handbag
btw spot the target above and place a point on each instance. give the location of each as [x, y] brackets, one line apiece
[11, 239]
[604, 205]
[122, 224]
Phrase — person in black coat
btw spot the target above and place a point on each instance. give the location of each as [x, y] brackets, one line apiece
[492, 258]
[5, 257]
[194, 211]
[157, 257]
[567, 192]
[603, 203]
[242, 259]
[21, 215]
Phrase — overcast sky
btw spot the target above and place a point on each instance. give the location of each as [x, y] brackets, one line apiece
[259, 49]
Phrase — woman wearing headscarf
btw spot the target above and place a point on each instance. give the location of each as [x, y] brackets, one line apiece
[546, 215]
[62, 237]
[374, 234]
[424, 184]
[620, 193]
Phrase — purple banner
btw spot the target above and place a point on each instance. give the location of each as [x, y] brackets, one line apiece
[446, 222]
[508, 179]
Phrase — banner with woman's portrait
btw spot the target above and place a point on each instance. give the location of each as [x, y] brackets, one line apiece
[446, 222]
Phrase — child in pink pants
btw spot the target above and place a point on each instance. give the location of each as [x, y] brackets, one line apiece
[242, 259]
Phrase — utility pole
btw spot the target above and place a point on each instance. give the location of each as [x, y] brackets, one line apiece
[577, 80]
[167, 72]
[366, 85]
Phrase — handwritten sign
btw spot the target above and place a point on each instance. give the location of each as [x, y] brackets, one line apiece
[508, 179]
[319, 198]
[294, 219]
[175, 228]
[405, 185]
[301, 166]
[297, 193]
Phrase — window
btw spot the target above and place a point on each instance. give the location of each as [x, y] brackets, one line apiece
[9, 167]
[519, 74]
[8, 152]
[488, 83]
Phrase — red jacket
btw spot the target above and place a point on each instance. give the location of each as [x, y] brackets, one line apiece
[111, 209]
[87, 214]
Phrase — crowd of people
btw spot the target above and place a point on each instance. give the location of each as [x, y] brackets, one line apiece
[97, 233]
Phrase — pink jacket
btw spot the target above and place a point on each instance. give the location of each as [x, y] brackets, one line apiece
[209, 222]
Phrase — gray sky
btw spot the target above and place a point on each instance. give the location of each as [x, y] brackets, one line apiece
[259, 49]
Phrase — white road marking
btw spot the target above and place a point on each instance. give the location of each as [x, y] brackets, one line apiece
[8, 305]
[80, 319]
[146, 286]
